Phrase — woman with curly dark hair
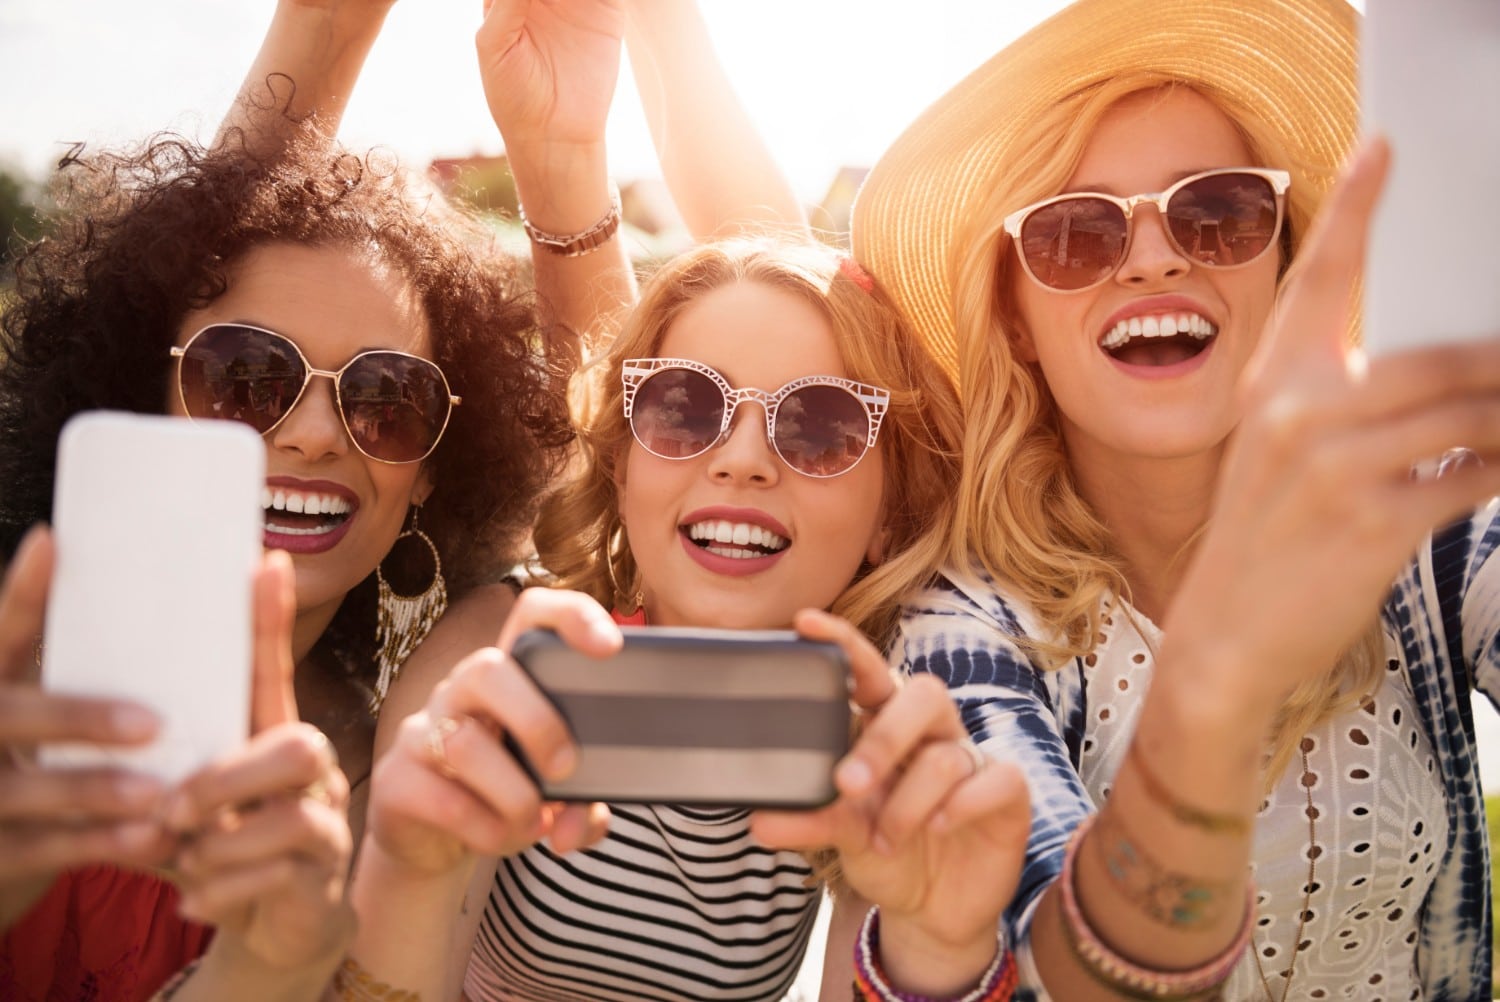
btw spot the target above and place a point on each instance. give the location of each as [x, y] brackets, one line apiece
[224, 283]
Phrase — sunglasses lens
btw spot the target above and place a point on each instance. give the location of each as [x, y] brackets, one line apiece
[1074, 243]
[396, 406]
[1224, 219]
[821, 431]
[240, 374]
[677, 414]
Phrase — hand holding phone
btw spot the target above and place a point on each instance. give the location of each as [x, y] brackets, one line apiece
[158, 530]
[697, 716]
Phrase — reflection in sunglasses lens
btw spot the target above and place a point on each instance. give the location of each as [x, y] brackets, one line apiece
[236, 374]
[1074, 243]
[1224, 219]
[677, 413]
[821, 430]
[393, 404]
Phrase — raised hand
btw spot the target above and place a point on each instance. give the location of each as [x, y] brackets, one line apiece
[266, 843]
[449, 787]
[549, 68]
[52, 819]
[1316, 496]
[925, 827]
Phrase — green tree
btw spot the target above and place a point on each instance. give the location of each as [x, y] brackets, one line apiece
[20, 214]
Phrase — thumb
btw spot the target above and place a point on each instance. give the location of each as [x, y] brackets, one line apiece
[1306, 332]
[273, 700]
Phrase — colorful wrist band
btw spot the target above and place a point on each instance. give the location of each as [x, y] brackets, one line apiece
[1186, 813]
[997, 984]
[1131, 980]
[577, 244]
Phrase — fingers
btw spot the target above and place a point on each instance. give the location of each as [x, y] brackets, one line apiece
[919, 713]
[299, 828]
[23, 603]
[871, 680]
[1311, 319]
[488, 686]
[65, 797]
[581, 622]
[936, 772]
[272, 697]
[33, 716]
[30, 850]
[578, 826]
[275, 763]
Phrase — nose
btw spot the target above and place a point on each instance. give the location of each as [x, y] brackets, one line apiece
[313, 426]
[1152, 256]
[745, 454]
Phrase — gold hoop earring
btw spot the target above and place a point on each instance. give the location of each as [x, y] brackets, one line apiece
[634, 599]
[403, 621]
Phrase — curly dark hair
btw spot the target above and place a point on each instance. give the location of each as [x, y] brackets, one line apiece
[146, 234]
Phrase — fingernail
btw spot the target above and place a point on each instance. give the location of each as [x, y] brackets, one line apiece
[880, 844]
[562, 764]
[854, 776]
[133, 722]
[940, 823]
[602, 628]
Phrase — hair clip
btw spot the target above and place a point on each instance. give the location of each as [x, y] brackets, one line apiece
[856, 273]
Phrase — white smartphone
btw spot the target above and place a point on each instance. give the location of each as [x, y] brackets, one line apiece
[1430, 77]
[158, 528]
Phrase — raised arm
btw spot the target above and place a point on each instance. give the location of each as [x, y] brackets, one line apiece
[722, 177]
[307, 65]
[549, 72]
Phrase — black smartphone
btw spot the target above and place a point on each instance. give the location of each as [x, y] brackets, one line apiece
[697, 716]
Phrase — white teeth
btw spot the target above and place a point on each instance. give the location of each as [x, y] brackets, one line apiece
[304, 504]
[731, 536]
[1168, 325]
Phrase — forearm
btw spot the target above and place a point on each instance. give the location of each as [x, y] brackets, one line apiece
[721, 175]
[1160, 875]
[414, 929]
[229, 972]
[307, 65]
[564, 188]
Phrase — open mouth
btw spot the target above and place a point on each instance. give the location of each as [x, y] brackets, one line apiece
[299, 513]
[1157, 341]
[736, 540]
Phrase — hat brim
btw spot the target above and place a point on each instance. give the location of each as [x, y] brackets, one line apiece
[1293, 61]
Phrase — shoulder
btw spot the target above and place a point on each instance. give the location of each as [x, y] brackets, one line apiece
[470, 623]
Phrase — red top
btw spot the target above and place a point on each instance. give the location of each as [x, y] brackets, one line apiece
[100, 934]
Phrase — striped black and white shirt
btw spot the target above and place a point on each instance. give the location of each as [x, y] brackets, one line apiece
[674, 903]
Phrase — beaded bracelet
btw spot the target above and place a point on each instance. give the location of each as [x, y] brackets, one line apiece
[577, 244]
[1113, 971]
[997, 984]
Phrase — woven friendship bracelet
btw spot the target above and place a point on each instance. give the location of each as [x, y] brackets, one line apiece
[577, 244]
[997, 984]
[1131, 980]
[1186, 813]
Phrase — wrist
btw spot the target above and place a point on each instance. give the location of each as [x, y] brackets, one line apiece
[873, 978]
[562, 187]
[914, 959]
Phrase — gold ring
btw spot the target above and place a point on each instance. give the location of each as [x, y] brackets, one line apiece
[438, 733]
[317, 790]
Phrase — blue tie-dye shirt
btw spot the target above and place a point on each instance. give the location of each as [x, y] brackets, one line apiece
[1443, 616]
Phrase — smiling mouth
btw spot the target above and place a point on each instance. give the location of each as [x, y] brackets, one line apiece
[1159, 340]
[736, 540]
[298, 513]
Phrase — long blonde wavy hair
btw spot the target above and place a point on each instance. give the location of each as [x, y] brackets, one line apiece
[1020, 513]
[580, 538]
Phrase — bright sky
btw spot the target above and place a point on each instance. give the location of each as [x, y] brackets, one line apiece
[830, 82]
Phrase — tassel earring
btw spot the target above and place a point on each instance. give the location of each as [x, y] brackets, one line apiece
[404, 620]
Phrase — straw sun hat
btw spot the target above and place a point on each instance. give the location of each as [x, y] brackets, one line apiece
[1293, 61]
